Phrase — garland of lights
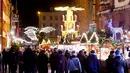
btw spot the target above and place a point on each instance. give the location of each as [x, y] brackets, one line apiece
[88, 41]
[122, 8]
[104, 2]
[103, 12]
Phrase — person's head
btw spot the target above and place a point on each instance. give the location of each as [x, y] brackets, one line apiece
[73, 53]
[112, 52]
[42, 52]
[67, 51]
[80, 52]
[60, 52]
[85, 52]
[55, 50]
[117, 52]
[92, 51]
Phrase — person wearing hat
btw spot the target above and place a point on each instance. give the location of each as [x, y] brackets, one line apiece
[92, 63]
[120, 65]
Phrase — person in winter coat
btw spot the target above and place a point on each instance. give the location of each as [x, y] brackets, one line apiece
[13, 58]
[82, 59]
[73, 64]
[67, 56]
[63, 62]
[92, 63]
[120, 65]
[110, 62]
[42, 62]
[4, 60]
[30, 61]
[20, 62]
[54, 61]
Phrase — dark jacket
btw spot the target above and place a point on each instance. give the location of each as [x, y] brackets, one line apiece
[29, 59]
[4, 56]
[42, 62]
[110, 64]
[120, 65]
[63, 62]
[13, 57]
[92, 64]
[54, 59]
[81, 59]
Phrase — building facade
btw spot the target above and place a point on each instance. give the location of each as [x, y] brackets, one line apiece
[5, 21]
[89, 15]
[51, 19]
[117, 10]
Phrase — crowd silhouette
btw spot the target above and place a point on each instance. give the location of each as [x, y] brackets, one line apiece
[58, 61]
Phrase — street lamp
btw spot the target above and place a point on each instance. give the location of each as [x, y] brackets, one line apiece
[38, 12]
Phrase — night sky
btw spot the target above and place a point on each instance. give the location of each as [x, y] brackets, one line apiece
[28, 9]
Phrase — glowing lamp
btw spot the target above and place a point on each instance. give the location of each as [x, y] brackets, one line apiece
[61, 27]
[77, 27]
[38, 12]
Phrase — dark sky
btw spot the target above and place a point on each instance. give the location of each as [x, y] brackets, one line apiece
[28, 9]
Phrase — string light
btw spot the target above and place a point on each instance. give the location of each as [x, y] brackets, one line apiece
[88, 41]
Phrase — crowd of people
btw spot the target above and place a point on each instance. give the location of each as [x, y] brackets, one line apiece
[40, 61]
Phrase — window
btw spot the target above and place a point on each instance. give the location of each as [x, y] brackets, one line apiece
[50, 17]
[50, 24]
[56, 17]
[44, 17]
[44, 25]
[56, 25]
[61, 18]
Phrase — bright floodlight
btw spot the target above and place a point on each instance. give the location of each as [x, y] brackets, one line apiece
[68, 8]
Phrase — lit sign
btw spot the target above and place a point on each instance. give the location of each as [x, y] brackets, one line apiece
[121, 4]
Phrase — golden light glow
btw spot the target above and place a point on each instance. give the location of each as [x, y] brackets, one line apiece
[38, 12]
[69, 21]
[68, 8]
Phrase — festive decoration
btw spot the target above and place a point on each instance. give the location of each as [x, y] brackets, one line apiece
[115, 30]
[47, 47]
[89, 41]
[69, 32]
[126, 36]
[122, 8]
[105, 2]
[31, 27]
[48, 42]
[104, 12]
[84, 38]
[118, 3]
[67, 7]
[47, 29]
[31, 33]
